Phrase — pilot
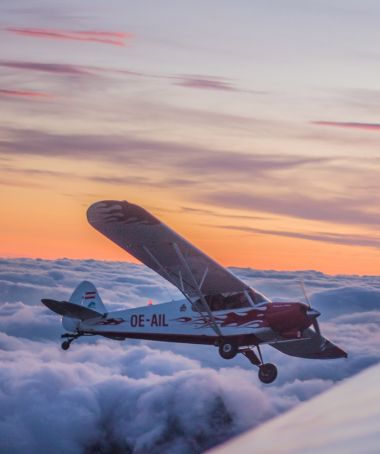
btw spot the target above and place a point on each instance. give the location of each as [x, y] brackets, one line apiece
[217, 303]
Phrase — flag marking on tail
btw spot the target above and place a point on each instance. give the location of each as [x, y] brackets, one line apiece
[89, 295]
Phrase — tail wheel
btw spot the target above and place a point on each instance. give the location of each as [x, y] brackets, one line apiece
[267, 373]
[228, 349]
[65, 345]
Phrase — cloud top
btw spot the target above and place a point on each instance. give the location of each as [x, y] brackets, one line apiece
[107, 396]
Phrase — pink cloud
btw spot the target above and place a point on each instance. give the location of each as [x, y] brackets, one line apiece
[204, 83]
[349, 125]
[24, 94]
[58, 68]
[114, 38]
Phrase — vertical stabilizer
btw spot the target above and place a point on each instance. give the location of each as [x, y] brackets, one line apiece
[86, 295]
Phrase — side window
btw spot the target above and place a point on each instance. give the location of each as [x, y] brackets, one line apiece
[217, 303]
[236, 301]
[220, 302]
[260, 298]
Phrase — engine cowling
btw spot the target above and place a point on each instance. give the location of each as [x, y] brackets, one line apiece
[288, 319]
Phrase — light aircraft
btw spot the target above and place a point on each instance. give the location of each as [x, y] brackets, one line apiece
[219, 309]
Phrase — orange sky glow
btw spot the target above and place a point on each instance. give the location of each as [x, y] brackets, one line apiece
[263, 153]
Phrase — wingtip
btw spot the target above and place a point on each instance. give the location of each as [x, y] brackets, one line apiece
[95, 208]
[105, 203]
[107, 212]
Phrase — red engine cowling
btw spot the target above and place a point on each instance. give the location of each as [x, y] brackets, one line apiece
[288, 319]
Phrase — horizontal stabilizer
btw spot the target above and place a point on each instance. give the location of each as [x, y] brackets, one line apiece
[311, 346]
[70, 309]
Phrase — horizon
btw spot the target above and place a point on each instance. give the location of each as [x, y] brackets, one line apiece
[232, 267]
[255, 134]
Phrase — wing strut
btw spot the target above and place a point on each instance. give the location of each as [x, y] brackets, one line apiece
[214, 326]
[248, 296]
[198, 289]
[203, 278]
[181, 281]
[162, 269]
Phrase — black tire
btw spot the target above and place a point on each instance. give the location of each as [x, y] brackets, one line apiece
[267, 373]
[65, 345]
[228, 349]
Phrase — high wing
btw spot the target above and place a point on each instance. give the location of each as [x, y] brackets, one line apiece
[160, 248]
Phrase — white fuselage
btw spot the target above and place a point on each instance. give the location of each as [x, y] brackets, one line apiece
[177, 321]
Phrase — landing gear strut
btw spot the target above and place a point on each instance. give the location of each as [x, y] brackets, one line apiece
[229, 348]
[267, 371]
[70, 338]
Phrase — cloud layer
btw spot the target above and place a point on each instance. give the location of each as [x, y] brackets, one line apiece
[134, 396]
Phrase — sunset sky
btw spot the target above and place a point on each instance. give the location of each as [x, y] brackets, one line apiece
[252, 128]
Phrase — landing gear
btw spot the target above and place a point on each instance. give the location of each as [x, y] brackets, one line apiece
[228, 349]
[65, 345]
[70, 338]
[267, 371]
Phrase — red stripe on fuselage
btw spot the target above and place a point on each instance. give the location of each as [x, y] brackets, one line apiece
[246, 339]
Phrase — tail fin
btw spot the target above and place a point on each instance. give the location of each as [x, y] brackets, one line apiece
[86, 295]
[84, 303]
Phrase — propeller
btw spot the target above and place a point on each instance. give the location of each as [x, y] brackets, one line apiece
[311, 313]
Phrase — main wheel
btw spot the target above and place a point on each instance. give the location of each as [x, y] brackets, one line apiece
[267, 373]
[228, 349]
[65, 345]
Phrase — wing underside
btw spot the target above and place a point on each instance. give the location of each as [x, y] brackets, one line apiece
[160, 248]
[312, 346]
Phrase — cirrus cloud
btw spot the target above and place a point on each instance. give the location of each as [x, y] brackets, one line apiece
[349, 125]
[325, 237]
[24, 94]
[55, 68]
[206, 83]
[102, 37]
[341, 210]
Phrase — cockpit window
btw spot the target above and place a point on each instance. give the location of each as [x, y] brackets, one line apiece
[225, 301]
[257, 297]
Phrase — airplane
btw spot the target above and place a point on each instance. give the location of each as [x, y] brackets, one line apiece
[219, 308]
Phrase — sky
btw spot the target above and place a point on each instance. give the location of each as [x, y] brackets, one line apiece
[106, 396]
[252, 128]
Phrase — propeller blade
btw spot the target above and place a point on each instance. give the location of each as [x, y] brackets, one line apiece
[316, 328]
[312, 313]
[304, 293]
